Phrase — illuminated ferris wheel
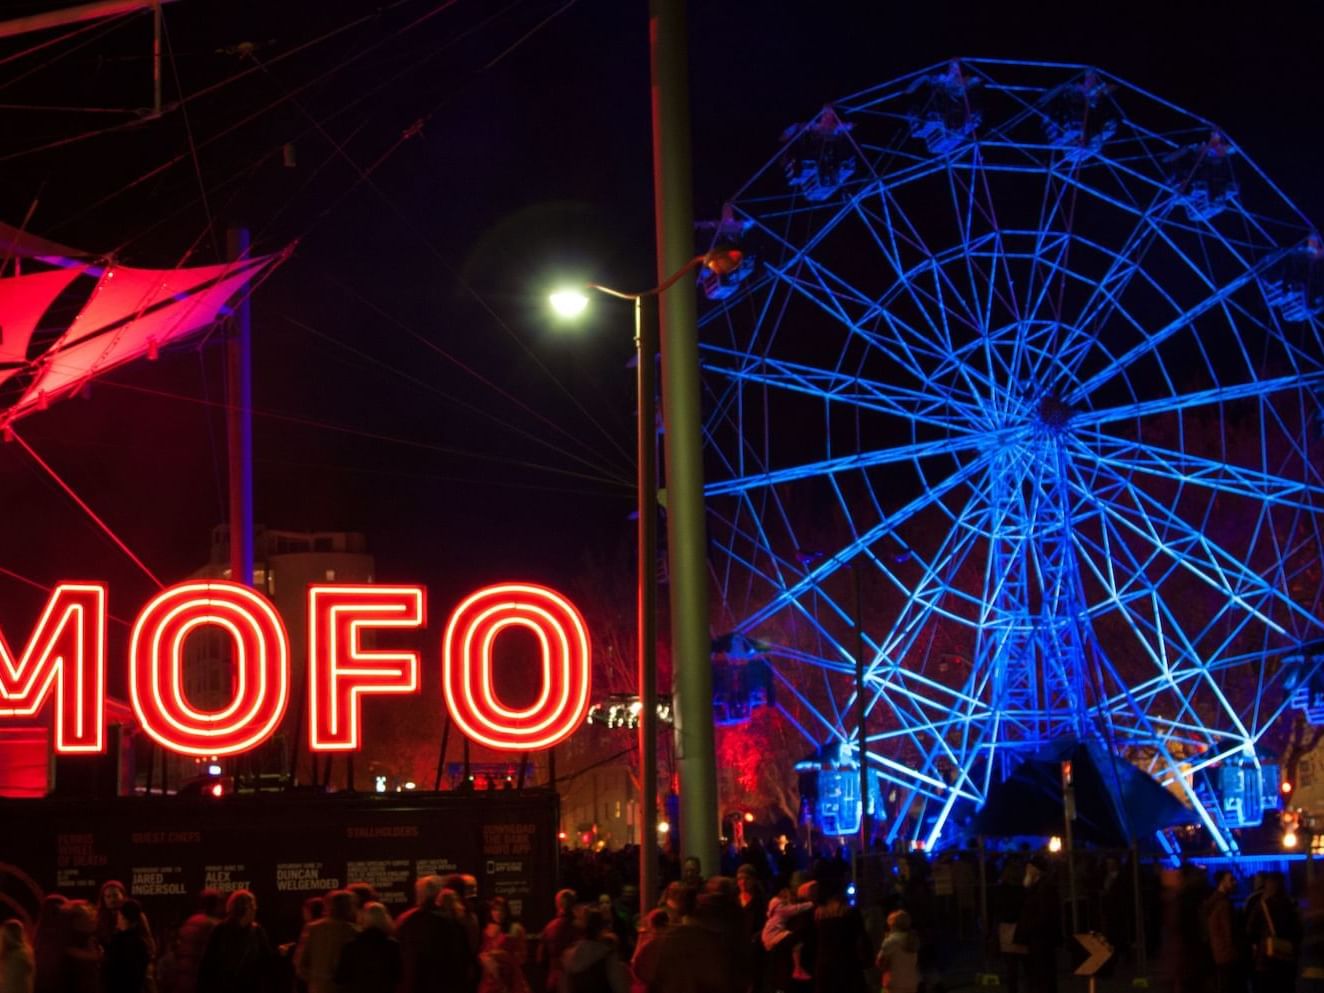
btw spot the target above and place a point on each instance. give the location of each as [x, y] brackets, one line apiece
[1020, 390]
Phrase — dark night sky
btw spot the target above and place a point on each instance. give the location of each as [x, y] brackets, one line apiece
[424, 397]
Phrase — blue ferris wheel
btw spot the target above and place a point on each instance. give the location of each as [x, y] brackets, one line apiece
[1019, 393]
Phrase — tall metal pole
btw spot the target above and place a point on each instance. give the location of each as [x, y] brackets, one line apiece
[861, 724]
[239, 426]
[156, 57]
[1069, 817]
[645, 343]
[691, 643]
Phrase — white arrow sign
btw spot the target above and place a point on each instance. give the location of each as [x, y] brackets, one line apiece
[1097, 948]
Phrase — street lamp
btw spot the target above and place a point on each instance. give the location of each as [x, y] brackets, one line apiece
[570, 303]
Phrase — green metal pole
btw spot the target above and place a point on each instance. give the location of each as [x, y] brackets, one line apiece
[645, 342]
[691, 642]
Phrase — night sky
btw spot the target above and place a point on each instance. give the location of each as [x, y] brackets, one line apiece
[408, 382]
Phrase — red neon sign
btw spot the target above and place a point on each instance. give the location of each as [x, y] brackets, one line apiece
[65, 656]
[341, 669]
[467, 667]
[66, 652]
[261, 682]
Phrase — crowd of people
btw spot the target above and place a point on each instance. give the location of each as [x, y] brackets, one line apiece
[723, 933]
[773, 922]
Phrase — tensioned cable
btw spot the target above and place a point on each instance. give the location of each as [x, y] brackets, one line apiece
[403, 216]
[207, 90]
[449, 398]
[459, 363]
[69, 491]
[99, 26]
[361, 433]
[192, 147]
[18, 577]
[336, 112]
[175, 160]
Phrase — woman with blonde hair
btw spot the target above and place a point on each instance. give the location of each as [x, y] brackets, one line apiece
[15, 958]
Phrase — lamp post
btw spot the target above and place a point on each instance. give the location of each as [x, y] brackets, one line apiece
[571, 303]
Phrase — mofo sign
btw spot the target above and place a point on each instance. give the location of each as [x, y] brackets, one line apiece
[64, 656]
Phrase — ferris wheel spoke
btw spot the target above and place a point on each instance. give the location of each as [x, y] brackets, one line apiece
[915, 406]
[848, 463]
[1179, 323]
[829, 566]
[1124, 598]
[1124, 456]
[906, 282]
[1198, 554]
[1217, 395]
[827, 291]
[924, 602]
[759, 538]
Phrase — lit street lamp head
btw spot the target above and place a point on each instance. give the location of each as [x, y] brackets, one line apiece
[568, 303]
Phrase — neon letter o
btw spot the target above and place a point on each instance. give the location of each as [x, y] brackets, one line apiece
[467, 677]
[262, 668]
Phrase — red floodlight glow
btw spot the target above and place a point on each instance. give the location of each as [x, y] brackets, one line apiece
[341, 670]
[65, 652]
[262, 668]
[467, 676]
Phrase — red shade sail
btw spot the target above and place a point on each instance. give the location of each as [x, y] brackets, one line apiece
[64, 326]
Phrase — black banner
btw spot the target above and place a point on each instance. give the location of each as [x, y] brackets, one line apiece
[283, 847]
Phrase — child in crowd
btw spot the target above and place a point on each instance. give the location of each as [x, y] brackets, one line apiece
[899, 956]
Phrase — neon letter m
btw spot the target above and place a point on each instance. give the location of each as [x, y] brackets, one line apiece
[66, 652]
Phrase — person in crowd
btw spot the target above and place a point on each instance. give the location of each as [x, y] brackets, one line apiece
[560, 933]
[465, 888]
[617, 923]
[696, 954]
[435, 953]
[691, 872]
[1008, 904]
[788, 927]
[674, 900]
[110, 920]
[1311, 978]
[1039, 930]
[644, 961]
[1220, 929]
[753, 912]
[592, 964]
[126, 955]
[318, 953]
[505, 950]
[841, 948]
[80, 956]
[191, 942]
[371, 963]
[898, 958]
[109, 901]
[239, 957]
[48, 942]
[17, 963]
[1275, 934]
[364, 894]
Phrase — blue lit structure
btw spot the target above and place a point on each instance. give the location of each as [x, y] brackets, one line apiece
[1033, 359]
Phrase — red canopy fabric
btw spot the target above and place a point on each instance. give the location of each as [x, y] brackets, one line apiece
[62, 328]
[19, 244]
